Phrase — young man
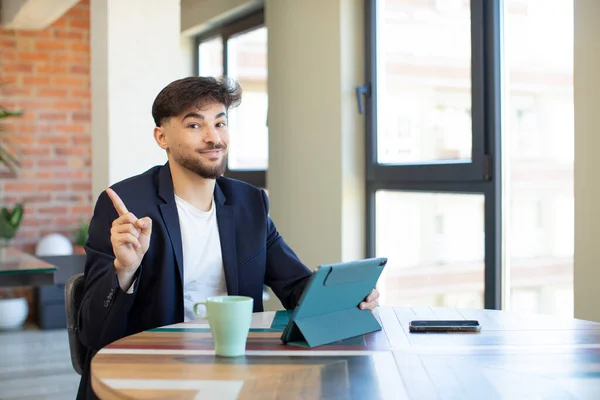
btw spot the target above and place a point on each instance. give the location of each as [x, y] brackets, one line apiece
[181, 232]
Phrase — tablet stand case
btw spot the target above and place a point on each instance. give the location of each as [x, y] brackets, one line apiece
[329, 312]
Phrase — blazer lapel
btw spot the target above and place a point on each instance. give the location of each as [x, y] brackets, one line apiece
[226, 223]
[170, 216]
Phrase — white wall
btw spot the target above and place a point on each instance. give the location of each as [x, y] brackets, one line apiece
[137, 49]
[587, 147]
[316, 173]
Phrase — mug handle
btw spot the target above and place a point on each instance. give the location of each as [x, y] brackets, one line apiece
[202, 316]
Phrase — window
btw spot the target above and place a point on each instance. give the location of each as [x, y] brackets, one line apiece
[432, 178]
[538, 83]
[435, 245]
[469, 113]
[239, 50]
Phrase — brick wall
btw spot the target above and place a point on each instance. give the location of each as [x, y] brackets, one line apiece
[47, 75]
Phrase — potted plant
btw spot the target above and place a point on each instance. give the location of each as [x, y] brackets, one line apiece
[81, 237]
[10, 219]
[13, 303]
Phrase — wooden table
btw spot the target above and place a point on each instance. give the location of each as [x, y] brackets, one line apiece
[18, 268]
[514, 357]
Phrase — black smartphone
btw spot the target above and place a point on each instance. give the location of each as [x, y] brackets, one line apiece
[445, 326]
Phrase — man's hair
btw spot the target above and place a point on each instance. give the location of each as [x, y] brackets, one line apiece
[195, 91]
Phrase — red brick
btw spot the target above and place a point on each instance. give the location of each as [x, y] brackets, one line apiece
[61, 22]
[33, 57]
[34, 104]
[52, 187]
[17, 67]
[68, 105]
[80, 24]
[79, 12]
[81, 117]
[37, 198]
[19, 187]
[29, 116]
[81, 93]
[83, 186]
[35, 151]
[53, 210]
[69, 151]
[16, 91]
[51, 45]
[79, 140]
[27, 234]
[8, 55]
[80, 69]
[73, 128]
[44, 174]
[71, 175]
[81, 210]
[8, 43]
[71, 58]
[36, 223]
[68, 81]
[27, 163]
[36, 80]
[35, 128]
[47, 92]
[63, 34]
[68, 198]
[20, 139]
[44, 140]
[52, 69]
[53, 116]
[9, 79]
[33, 34]
[50, 163]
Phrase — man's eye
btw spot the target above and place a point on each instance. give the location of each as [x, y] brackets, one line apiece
[221, 125]
[194, 126]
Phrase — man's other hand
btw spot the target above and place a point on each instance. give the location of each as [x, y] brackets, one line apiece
[371, 301]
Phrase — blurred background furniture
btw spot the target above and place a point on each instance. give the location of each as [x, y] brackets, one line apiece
[50, 299]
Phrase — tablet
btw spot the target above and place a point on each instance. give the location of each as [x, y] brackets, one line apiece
[328, 308]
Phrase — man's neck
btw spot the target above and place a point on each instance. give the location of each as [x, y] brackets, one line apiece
[192, 188]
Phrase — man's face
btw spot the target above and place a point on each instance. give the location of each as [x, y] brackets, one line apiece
[197, 140]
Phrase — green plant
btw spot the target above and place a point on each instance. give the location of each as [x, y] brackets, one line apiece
[7, 158]
[10, 220]
[82, 234]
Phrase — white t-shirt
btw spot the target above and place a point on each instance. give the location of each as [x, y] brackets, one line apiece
[203, 273]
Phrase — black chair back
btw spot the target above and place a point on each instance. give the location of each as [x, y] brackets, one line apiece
[73, 297]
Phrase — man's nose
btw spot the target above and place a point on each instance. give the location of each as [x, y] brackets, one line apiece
[212, 136]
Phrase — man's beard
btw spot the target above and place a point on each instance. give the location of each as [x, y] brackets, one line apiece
[198, 167]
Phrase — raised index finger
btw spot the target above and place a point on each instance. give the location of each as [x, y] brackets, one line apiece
[117, 202]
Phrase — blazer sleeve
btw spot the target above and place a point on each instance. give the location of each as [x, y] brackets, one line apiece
[285, 274]
[105, 307]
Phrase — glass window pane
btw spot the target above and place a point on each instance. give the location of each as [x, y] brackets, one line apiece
[424, 81]
[249, 138]
[539, 154]
[210, 57]
[435, 245]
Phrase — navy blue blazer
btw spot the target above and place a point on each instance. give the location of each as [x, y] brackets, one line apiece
[253, 254]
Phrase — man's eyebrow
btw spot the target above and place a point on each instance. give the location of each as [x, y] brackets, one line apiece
[200, 116]
[192, 115]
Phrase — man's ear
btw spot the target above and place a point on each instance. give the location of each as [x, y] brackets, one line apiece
[159, 136]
